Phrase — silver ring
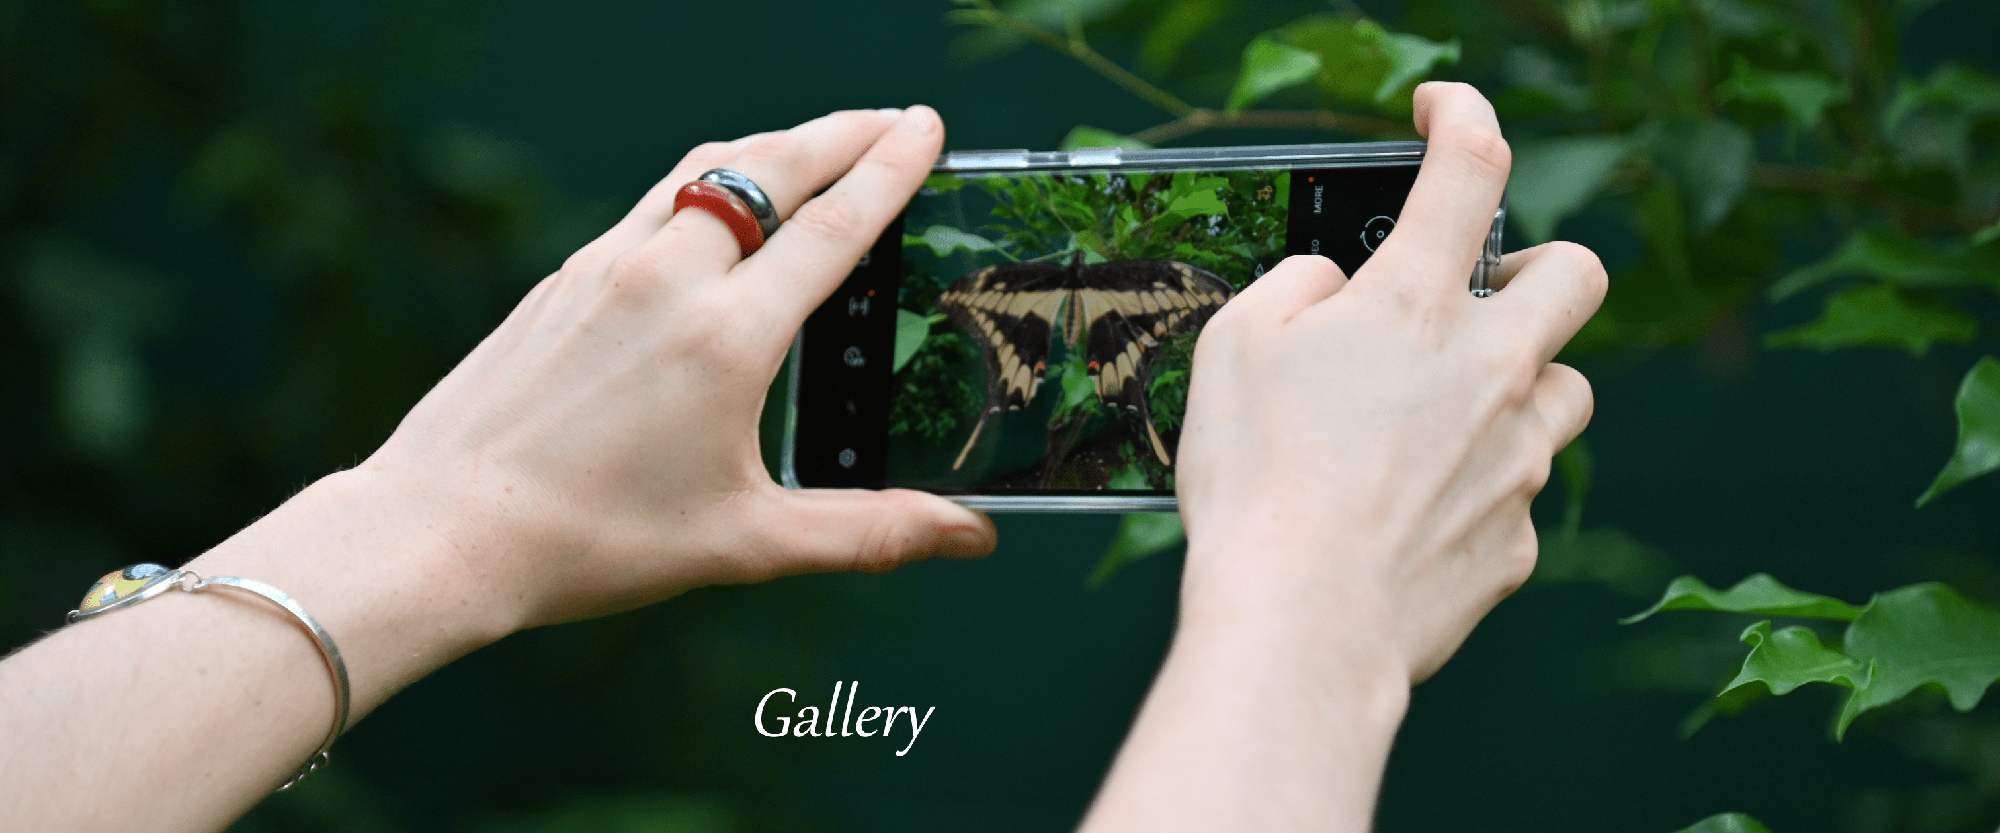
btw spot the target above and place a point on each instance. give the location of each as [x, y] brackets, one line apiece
[752, 196]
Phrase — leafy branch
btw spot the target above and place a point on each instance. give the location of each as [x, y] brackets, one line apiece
[1188, 119]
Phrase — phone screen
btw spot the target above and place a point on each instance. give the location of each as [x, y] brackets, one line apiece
[1030, 333]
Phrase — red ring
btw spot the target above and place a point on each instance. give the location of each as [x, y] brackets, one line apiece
[726, 207]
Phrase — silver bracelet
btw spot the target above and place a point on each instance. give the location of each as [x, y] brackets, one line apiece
[140, 582]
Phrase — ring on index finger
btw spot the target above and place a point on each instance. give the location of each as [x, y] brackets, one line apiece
[727, 207]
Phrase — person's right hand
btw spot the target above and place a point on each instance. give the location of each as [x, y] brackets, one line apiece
[1359, 457]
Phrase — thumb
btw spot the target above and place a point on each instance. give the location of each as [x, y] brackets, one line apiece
[854, 530]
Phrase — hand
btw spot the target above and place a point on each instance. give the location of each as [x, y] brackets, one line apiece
[1359, 456]
[599, 450]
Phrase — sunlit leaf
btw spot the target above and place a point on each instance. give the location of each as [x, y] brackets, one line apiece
[1760, 593]
[1879, 315]
[1709, 165]
[1270, 66]
[1412, 58]
[944, 240]
[1726, 823]
[1554, 178]
[1978, 450]
[1924, 634]
[911, 331]
[1139, 535]
[1893, 257]
[1790, 658]
[1804, 96]
[1083, 136]
[1360, 62]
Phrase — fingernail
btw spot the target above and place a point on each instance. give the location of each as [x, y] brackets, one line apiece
[894, 111]
[918, 119]
[962, 542]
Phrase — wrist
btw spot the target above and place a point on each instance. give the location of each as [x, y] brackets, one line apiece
[384, 567]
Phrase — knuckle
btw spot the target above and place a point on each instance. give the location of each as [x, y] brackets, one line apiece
[708, 155]
[1485, 150]
[828, 218]
[773, 152]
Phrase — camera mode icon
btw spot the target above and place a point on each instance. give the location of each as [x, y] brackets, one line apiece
[853, 357]
[1376, 231]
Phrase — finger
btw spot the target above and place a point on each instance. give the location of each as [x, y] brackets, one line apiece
[1554, 289]
[1562, 397]
[854, 530]
[1295, 283]
[1449, 211]
[818, 248]
[788, 167]
[652, 210]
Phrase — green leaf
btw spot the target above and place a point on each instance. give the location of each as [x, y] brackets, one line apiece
[1139, 536]
[1362, 63]
[1411, 59]
[1978, 450]
[1790, 658]
[1890, 256]
[1198, 203]
[1760, 593]
[912, 329]
[1804, 96]
[1709, 165]
[1270, 66]
[1726, 823]
[943, 240]
[1554, 178]
[1879, 315]
[1987, 234]
[1084, 136]
[1603, 556]
[1924, 634]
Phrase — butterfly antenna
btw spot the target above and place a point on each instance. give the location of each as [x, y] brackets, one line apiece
[975, 438]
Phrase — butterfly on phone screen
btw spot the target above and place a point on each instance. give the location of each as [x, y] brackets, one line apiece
[1120, 313]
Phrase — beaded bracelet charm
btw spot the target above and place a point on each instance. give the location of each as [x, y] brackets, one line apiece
[140, 582]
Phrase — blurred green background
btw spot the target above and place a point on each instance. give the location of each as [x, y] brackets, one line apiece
[238, 239]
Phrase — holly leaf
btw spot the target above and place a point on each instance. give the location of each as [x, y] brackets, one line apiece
[1760, 593]
[1084, 136]
[1879, 315]
[1555, 178]
[1924, 634]
[1726, 823]
[1978, 450]
[1709, 165]
[944, 240]
[1790, 658]
[1270, 66]
[1889, 256]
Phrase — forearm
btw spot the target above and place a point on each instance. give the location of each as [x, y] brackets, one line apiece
[1268, 715]
[183, 711]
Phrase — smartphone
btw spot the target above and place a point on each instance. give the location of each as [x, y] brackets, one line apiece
[1019, 339]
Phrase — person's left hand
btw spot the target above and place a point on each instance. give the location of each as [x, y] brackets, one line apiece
[599, 450]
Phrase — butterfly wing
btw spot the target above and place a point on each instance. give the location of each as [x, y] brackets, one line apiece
[1010, 311]
[1127, 309]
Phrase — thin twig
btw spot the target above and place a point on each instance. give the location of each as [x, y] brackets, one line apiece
[1205, 119]
[985, 12]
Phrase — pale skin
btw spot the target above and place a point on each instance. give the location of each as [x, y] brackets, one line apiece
[1355, 475]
